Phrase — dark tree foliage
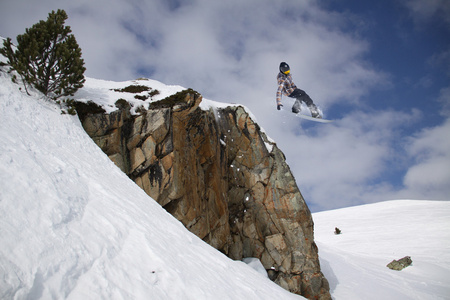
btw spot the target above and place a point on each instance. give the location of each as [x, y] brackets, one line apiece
[48, 57]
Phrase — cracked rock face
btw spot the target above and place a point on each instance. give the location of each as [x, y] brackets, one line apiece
[218, 173]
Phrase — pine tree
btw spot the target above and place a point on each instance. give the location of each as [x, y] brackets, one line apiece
[48, 57]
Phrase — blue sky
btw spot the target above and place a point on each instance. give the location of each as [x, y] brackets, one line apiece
[379, 68]
[406, 46]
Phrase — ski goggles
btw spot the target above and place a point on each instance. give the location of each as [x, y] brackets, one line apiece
[287, 72]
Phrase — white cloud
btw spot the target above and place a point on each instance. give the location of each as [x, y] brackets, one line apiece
[341, 163]
[430, 175]
[352, 162]
[424, 10]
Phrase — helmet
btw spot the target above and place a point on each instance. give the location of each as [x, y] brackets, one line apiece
[284, 68]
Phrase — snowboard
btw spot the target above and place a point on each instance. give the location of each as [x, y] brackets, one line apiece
[313, 119]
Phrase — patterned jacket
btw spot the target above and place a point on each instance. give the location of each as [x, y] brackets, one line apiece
[285, 86]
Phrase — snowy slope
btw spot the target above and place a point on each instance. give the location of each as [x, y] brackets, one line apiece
[372, 236]
[73, 226]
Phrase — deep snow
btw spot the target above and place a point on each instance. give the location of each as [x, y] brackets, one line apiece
[73, 226]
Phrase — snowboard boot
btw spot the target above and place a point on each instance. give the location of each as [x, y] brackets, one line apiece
[315, 112]
[296, 108]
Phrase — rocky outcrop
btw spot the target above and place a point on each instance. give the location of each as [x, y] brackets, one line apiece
[219, 174]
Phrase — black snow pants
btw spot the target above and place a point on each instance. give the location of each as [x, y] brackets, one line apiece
[302, 96]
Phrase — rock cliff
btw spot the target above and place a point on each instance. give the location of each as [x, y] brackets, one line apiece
[219, 174]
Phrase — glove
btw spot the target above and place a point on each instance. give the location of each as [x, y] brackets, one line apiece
[279, 106]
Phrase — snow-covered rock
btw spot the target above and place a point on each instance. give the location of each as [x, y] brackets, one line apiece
[210, 167]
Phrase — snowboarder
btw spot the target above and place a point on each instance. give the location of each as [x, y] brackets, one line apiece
[288, 88]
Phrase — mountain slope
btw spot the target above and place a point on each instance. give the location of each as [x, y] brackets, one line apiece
[372, 236]
[74, 226]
